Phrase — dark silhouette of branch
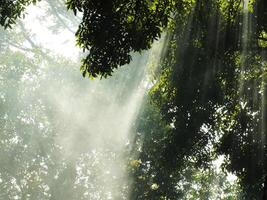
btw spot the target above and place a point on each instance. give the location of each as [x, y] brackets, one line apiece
[265, 189]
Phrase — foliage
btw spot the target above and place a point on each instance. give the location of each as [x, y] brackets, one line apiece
[110, 30]
[209, 99]
[11, 10]
[156, 176]
[212, 89]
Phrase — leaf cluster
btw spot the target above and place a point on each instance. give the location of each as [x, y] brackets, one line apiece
[110, 30]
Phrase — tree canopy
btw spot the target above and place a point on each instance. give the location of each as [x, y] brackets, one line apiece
[109, 31]
[11, 10]
[212, 89]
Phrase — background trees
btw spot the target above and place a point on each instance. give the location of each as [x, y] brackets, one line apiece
[212, 89]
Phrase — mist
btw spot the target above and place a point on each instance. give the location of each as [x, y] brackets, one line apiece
[186, 119]
[74, 136]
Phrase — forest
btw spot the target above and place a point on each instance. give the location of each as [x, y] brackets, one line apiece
[133, 99]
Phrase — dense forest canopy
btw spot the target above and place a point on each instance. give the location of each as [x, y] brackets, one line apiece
[207, 99]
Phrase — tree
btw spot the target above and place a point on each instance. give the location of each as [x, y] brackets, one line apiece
[109, 31]
[212, 88]
[210, 96]
[11, 10]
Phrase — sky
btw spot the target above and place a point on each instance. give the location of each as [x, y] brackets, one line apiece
[61, 43]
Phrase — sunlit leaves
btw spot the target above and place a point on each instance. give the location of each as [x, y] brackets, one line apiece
[221, 87]
[262, 40]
